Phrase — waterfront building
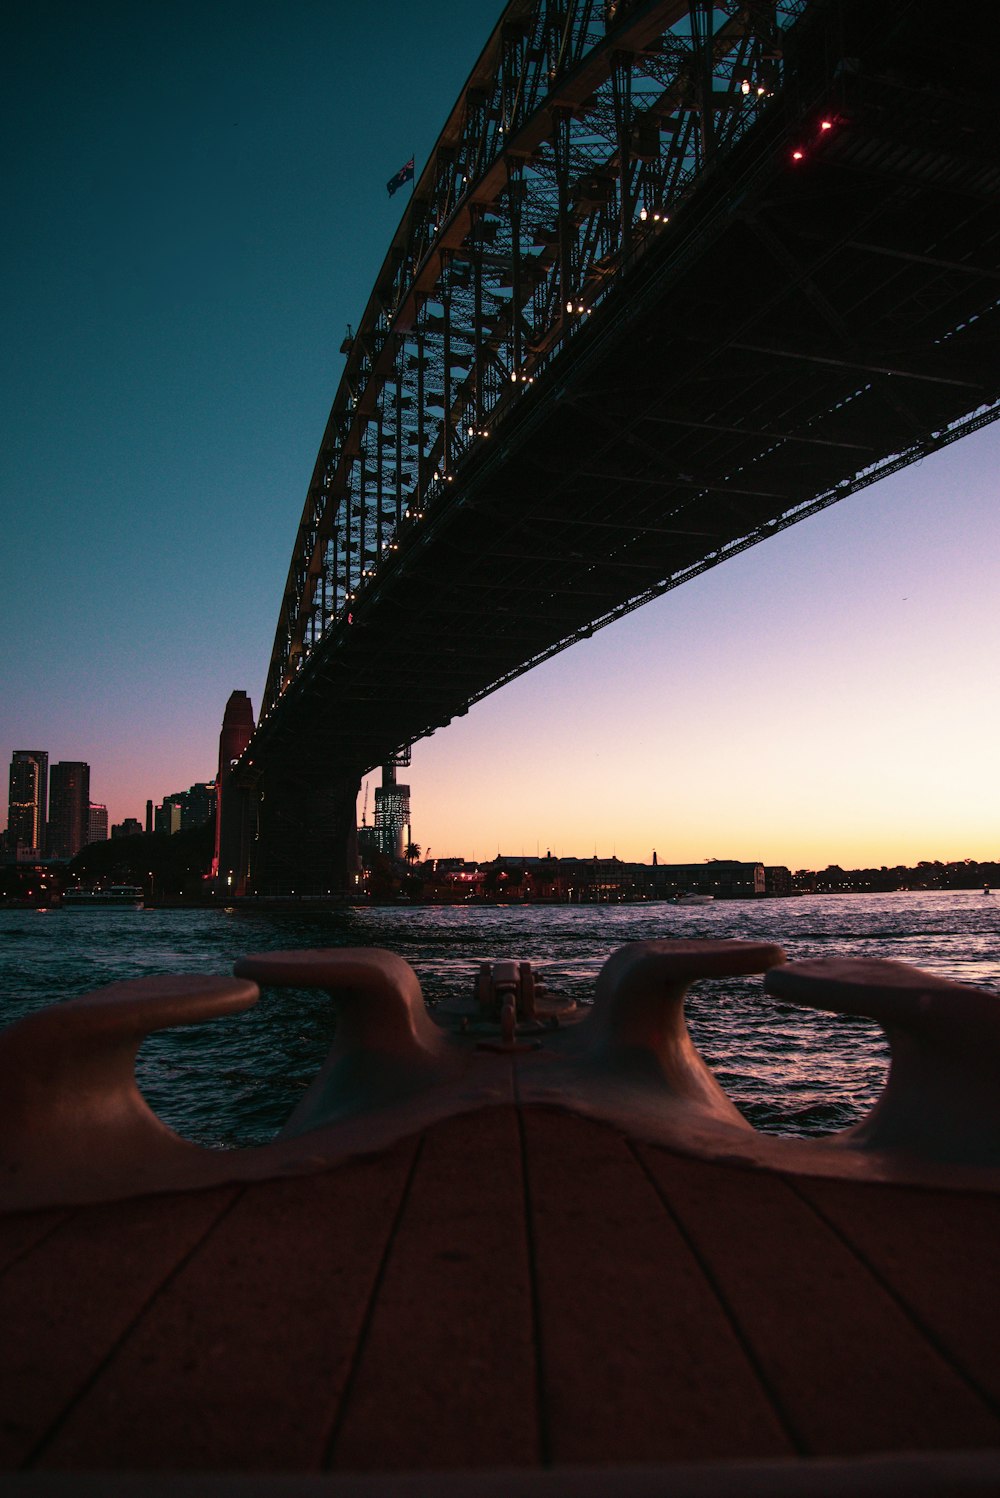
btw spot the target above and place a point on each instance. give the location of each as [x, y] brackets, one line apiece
[168, 815]
[27, 807]
[69, 807]
[182, 810]
[725, 878]
[198, 805]
[367, 840]
[130, 827]
[97, 823]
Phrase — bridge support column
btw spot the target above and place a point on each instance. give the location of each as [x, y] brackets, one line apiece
[234, 834]
[305, 839]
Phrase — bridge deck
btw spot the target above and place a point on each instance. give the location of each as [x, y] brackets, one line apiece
[515, 1288]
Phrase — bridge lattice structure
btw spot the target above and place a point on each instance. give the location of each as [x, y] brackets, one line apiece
[577, 136]
[675, 276]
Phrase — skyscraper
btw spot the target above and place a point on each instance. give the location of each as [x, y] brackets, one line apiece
[97, 823]
[392, 809]
[69, 809]
[28, 804]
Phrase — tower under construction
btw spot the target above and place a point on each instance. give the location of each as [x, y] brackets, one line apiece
[392, 808]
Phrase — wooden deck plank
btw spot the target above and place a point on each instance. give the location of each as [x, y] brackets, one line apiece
[446, 1375]
[511, 1288]
[21, 1231]
[639, 1362]
[240, 1363]
[940, 1252]
[65, 1305]
[849, 1368]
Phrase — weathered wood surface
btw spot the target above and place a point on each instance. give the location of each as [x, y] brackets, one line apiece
[511, 1288]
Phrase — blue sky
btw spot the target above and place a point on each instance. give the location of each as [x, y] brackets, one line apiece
[197, 208]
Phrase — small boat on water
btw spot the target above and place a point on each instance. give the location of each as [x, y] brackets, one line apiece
[694, 899]
[115, 894]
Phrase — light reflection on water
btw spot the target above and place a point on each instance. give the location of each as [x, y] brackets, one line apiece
[234, 1081]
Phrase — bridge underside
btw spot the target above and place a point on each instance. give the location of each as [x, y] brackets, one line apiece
[290, 830]
[805, 327]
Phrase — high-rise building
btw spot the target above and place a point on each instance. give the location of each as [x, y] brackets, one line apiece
[168, 815]
[69, 807]
[130, 827]
[198, 805]
[28, 804]
[97, 823]
[149, 816]
[392, 810]
[182, 810]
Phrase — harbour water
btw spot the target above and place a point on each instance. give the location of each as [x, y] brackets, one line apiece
[235, 1081]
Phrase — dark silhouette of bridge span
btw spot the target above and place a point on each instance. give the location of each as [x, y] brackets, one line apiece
[674, 277]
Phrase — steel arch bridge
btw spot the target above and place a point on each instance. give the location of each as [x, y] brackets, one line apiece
[675, 276]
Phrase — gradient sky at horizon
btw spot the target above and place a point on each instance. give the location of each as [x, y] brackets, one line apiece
[196, 210]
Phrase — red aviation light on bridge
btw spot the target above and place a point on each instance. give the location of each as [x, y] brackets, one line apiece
[826, 124]
[798, 155]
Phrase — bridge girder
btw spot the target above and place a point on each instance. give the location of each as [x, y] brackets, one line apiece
[579, 128]
[792, 334]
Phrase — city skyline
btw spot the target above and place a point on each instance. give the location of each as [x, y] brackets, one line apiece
[180, 810]
[824, 698]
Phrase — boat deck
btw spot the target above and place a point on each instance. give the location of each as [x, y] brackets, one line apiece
[519, 1287]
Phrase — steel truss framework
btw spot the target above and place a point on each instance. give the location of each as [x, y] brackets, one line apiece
[579, 134]
[796, 331]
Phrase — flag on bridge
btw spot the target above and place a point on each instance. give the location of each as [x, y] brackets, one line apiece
[405, 174]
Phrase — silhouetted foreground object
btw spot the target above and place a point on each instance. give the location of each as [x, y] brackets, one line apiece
[942, 1098]
[73, 1124]
[386, 1046]
[75, 1128]
[511, 1249]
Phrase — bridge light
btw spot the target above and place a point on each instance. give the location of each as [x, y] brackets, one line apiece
[569, 306]
[513, 376]
[826, 124]
[745, 86]
[798, 155]
[643, 214]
